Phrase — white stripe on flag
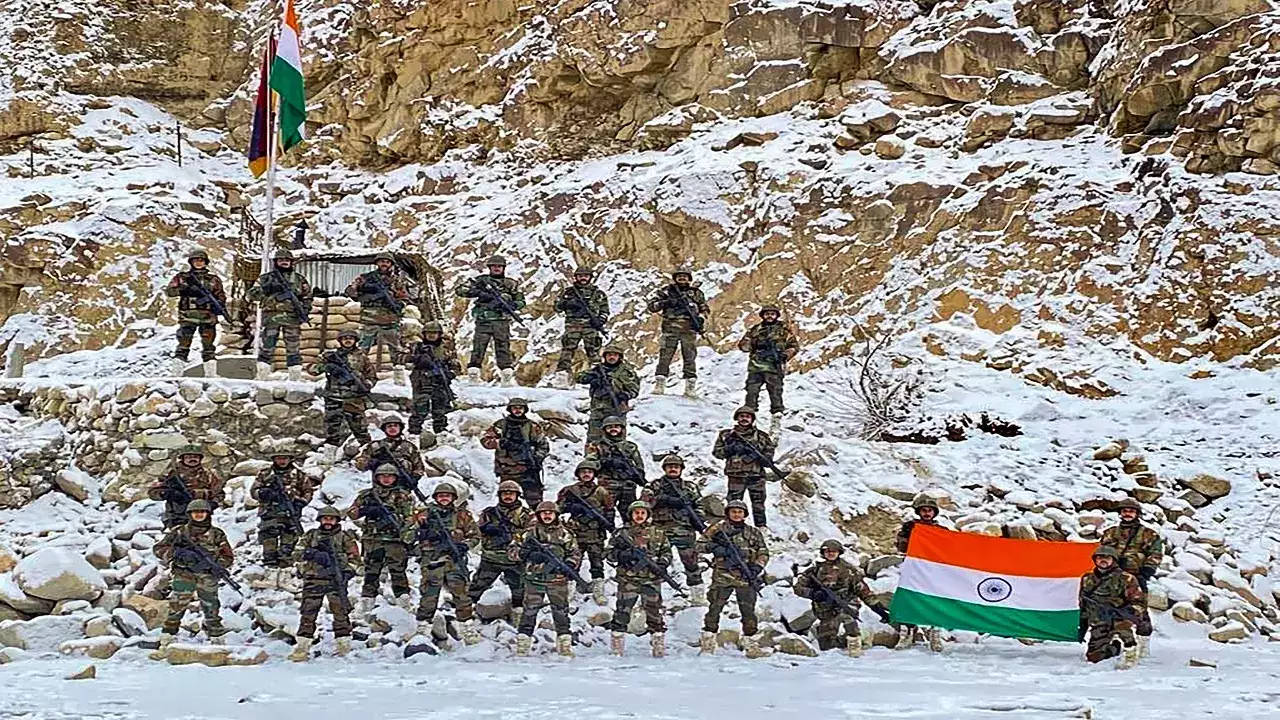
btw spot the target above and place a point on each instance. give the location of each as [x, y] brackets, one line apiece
[1018, 592]
[289, 50]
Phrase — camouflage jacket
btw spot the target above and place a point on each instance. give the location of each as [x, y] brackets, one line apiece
[750, 543]
[374, 525]
[428, 359]
[739, 462]
[208, 538]
[458, 522]
[622, 381]
[674, 317]
[667, 510]
[375, 308]
[646, 537]
[341, 542]
[269, 293]
[584, 528]
[611, 455]
[506, 435]
[501, 526]
[192, 310]
[575, 302]
[904, 533]
[771, 346]
[298, 486]
[201, 482]
[1139, 546]
[1110, 596]
[839, 577]
[489, 310]
[376, 452]
[556, 538]
[337, 387]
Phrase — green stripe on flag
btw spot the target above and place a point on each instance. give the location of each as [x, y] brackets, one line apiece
[287, 81]
[915, 608]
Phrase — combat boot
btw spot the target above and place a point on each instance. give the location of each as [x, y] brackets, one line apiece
[473, 374]
[775, 425]
[1144, 646]
[660, 385]
[597, 592]
[751, 648]
[561, 380]
[263, 371]
[215, 634]
[516, 614]
[366, 607]
[617, 642]
[935, 639]
[295, 373]
[1128, 657]
[211, 368]
[853, 645]
[698, 595]
[707, 643]
[524, 643]
[166, 639]
[507, 377]
[343, 646]
[470, 633]
[906, 638]
[691, 388]
[302, 651]
[658, 645]
[564, 645]
[177, 366]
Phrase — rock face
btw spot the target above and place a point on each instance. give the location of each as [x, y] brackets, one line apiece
[57, 574]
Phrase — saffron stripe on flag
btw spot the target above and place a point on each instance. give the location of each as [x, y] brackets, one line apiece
[916, 608]
[1001, 556]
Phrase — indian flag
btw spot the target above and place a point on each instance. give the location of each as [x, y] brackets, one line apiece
[286, 80]
[999, 586]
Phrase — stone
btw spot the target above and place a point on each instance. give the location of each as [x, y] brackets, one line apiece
[8, 558]
[98, 554]
[152, 611]
[41, 634]
[214, 655]
[130, 391]
[249, 467]
[1111, 451]
[75, 483]
[1229, 632]
[98, 626]
[202, 407]
[1203, 663]
[1207, 485]
[129, 622]
[98, 648]
[795, 645]
[1229, 579]
[801, 482]
[1186, 612]
[161, 439]
[88, 672]
[1193, 498]
[14, 597]
[58, 574]
[889, 148]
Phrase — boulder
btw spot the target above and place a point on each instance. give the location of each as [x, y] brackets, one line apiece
[98, 648]
[1186, 612]
[1229, 632]
[1207, 485]
[76, 483]
[59, 574]
[14, 597]
[801, 483]
[795, 645]
[214, 655]
[8, 558]
[1112, 450]
[99, 626]
[129, 622]
[88, 672]
[98, 554]
[151, 611]
[42, 634]
[1228, 579]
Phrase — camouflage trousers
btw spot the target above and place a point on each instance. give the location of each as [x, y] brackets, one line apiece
[389, 554]
[1101, 639]
[314, 593]
[536, 597]
[386, 335]
[533, 490]
[569, 341]
[771, 382]
[595, 420]
[278, 538]
[631, 589]
[685, 546]
[497, 331]
[439, 573]
[687, 341]
[592, 550]
[489, 572]
[624, 493]
[183, 586]
[1143, 626]
[830, 620]
[207, 334]
[752, 485]
[718, 596]
[345, 415]
[271, 331]
[430, 399]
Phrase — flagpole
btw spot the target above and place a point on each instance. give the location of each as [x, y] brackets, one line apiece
[269, 226]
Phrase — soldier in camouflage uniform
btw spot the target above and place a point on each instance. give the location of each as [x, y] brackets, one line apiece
[186, 548]
[520, 445]
[279, 314]
[1110, 599]
[501, 525]
[497, 298]
[614, 384]
[741, 466]
[828, 583]
[1141, 550]
[586, 311]
[926, 509]
[392, 449]
[433, 365]
[196, 313]
[198, 483]
[384, 512]
[621, 467]
[727, 579]
[674, 302]
[383, 295]
[668, 496]
[433, 528]
[282, 490]
[319, 550]
[590, 533]
[770, 346]
[542, 581]
[628, 549]
[346, 397]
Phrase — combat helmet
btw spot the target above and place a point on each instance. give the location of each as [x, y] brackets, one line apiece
[831, 544]
[672, 459]
[198, 505]
[329, 511]
[445, 488]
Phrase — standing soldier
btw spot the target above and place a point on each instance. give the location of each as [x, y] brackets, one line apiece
[349, 378]
[285, 299]
[393, 450]
[1141, 551]
[926, 509]
[1110, 599]
[384, 512]
[520, 445]
[444, 533]
[586, 311]
[684, 313]
[587, 505]
[547, 550]
[198, 554]
[770, 345]
[282, 490]
[633, 548]
[382, 295]
[201, 300]
[613, 384]
[327, 558]
[836, 590]
[621, 467]
[739, 556]
[433, 365]
[498, 299]
[744, 448]
[501, 526]
[674, 502]
[187, 479]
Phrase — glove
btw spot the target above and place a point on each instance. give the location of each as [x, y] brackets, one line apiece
[1146, 572]
[882, 613]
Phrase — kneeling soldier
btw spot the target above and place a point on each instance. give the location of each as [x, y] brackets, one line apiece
[836, 590]
[198, 555]
[636, 549]
[1110, 599]
[444, 533]
[327, 558]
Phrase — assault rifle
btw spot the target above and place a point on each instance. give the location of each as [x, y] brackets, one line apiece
[281, 498]
[381, 515]
[428, 362]
[381, 293]
[579, 507]
[599, 378]
[435, 532]
[579, 304]
[828, 596]
[1108, 613]
[686, 505]
[618, 466]
[513, 442]
[506, 531]
[771, 353]
[327, 558]
[638, 557]
[404, 478]
[280, 289]
[175, 491]
[197, 559]
[722, 546]
[336, 363]
[696, 321]
[203, 296]
[491, 295]
[539, 554]
[734, 440]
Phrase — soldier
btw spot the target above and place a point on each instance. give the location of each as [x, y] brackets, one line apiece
[741, 447]
[828, 584]
[684, 312]
[384, 511]
[629, 548]
[614, 384]
[349, 378]
[382, 295]
[586, 310]
[393, 449]
[1141, 551]
[433, 365]
[674, 502]
[285, 299]
[498, 299]
[520, 445]
[926, 509]
[539, 547]
[282, 490]
[195, 551]
[770, 345]
[201, 300]
[728, 578]
[186, 480]
[621, 467]
[327, 558]
[1110, 599]
[444, 534]
[501, 526]
[578, 500]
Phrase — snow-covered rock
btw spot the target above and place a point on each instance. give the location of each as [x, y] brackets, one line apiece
[214, 655]
[42, 634]
[14, 596]
[59, 574]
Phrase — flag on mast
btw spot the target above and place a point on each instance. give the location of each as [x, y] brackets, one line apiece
[286, 80]
[260, 139]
